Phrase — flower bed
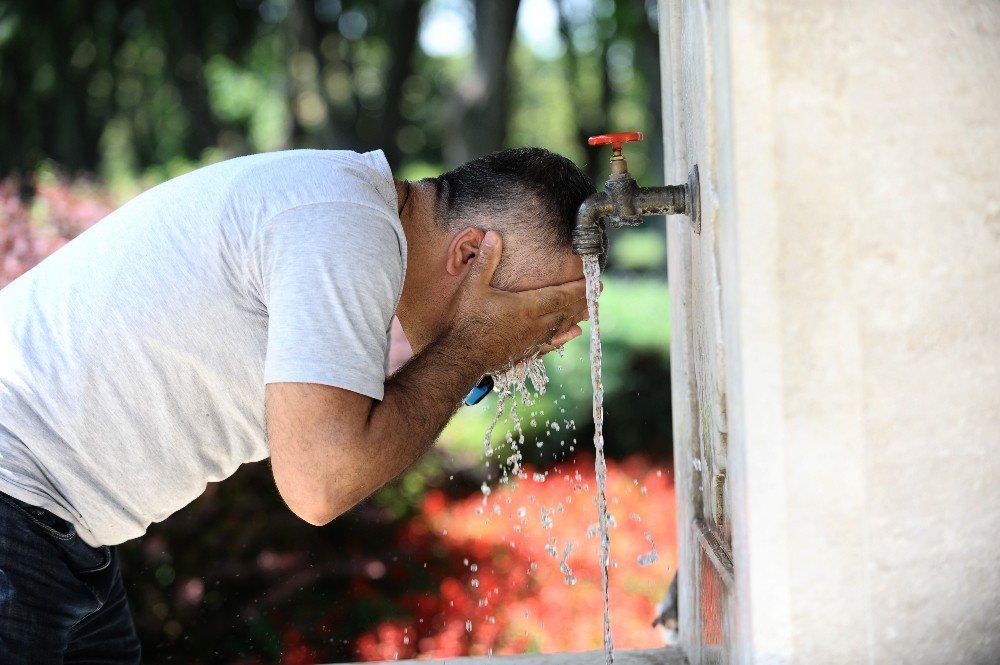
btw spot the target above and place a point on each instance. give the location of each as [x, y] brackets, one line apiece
[496, 573]
[60, 211]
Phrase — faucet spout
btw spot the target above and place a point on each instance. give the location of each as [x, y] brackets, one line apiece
[589, 236]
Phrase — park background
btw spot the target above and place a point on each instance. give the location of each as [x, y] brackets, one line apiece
[101, 99]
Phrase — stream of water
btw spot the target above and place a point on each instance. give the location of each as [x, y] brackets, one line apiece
[592, 271]
[515, 382]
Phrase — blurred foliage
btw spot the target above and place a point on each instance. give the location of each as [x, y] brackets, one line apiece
[640, 250]
[103, 98]
[634, 316]
[155, 87]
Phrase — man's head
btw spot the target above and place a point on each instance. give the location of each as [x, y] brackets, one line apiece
[530, 196]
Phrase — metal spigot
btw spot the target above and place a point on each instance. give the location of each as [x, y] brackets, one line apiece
[624, 203]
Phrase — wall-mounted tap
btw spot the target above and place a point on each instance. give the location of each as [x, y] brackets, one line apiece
[624, 203]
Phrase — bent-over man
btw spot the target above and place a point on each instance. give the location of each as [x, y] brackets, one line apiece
[239, 312]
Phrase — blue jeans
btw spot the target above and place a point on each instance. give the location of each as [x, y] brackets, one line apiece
[61, 600]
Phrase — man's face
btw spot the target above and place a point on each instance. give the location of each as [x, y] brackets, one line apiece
[546, 269]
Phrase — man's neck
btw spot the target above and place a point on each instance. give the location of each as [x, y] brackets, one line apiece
[416, 310]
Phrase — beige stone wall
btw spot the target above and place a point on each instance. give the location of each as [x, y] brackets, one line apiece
[856, 184]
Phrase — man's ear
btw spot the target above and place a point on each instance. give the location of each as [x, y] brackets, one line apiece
[463, 250]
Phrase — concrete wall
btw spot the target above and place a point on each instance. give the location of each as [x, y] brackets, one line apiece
[853, 210]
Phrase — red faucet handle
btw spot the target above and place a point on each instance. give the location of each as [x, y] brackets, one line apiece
[615, 140]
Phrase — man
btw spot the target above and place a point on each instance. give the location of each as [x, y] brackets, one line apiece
[243, 311]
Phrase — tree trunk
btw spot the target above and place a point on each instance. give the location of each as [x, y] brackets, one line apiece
[479, 108]
[647, 60]
[305, 82]
[403, 18]
[182, 43]
[590, 119]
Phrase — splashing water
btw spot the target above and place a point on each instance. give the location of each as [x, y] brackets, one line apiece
[592, 271]
[569, 578]
[650, 557]
[507, 385]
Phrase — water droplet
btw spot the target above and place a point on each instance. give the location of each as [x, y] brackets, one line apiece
[650, 557]
[563, 566]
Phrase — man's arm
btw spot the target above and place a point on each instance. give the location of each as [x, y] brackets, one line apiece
[331, 448]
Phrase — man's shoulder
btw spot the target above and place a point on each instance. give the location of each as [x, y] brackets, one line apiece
[292, 178]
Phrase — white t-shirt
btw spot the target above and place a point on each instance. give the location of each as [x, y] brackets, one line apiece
[133, 360]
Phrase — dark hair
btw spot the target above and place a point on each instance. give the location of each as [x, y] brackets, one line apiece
[525, 192]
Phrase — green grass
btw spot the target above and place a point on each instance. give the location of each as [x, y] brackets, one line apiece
[639, 249]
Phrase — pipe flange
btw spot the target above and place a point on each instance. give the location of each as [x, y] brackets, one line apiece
[693, 202]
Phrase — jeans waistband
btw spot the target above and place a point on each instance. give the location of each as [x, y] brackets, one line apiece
[53, 523]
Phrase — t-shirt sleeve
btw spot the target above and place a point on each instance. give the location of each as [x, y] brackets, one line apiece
[331, 275]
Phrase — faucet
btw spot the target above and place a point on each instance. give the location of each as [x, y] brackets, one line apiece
[624, 203]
